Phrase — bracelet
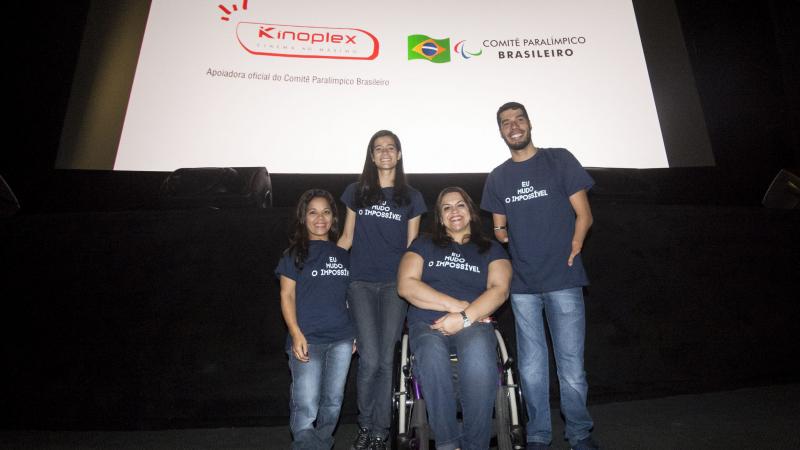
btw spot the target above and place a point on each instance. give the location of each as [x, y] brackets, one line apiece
[465, 319]
[499, 228]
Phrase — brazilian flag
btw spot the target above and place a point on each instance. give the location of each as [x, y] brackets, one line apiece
[425, 47]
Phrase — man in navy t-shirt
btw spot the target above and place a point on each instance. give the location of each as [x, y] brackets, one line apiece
[540, 208]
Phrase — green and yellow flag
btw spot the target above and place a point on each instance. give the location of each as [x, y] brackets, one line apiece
[425, 47]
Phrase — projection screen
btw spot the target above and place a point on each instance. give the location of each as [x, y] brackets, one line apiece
[299, 87]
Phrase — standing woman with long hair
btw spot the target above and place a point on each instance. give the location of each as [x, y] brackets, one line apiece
[383, 216]
[314, 275]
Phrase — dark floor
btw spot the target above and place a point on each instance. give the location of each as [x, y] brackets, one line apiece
[754, 418]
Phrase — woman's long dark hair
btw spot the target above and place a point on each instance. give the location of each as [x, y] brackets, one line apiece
[298, 239]
[439, 234]
[369, 186]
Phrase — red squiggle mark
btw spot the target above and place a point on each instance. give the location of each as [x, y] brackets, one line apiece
[233, 7]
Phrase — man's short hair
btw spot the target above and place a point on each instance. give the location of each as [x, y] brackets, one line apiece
[512, 105]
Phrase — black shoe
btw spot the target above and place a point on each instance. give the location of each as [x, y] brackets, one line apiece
[586, 444]
[362, 440]
[377, 443]
[536, 446]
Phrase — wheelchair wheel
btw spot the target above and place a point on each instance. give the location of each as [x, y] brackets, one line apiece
[410, 429]
[418, 431]
[502, 421]
[509, 405]
[401, 407]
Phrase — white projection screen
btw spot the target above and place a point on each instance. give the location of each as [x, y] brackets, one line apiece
[299, 87]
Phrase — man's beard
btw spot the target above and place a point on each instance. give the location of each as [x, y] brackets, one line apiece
[520, 145]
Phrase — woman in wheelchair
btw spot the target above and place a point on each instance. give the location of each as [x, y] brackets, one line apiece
[454, 279]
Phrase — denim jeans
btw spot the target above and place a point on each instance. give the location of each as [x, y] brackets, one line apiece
[566, 320]
[476, 348]
[379, 314]
[317, 392]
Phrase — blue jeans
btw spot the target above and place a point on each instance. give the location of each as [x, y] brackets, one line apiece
[317, 392]
[566, 320]
[379, 314]
[476, 348]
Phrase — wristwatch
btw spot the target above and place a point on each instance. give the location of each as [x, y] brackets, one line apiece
[467, 322]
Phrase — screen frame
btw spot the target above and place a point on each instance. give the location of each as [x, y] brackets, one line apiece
[115, 30]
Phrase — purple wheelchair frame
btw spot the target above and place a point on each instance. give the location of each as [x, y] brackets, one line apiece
[410, 424]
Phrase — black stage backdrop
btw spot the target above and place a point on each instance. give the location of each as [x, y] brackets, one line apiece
[120, 315]
[172, 318]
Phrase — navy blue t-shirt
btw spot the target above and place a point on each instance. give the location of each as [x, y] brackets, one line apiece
[320, 293]
[457, 270]
[534, 197]
[381, 233]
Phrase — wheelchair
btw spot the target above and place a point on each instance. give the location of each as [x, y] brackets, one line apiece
[410, 428]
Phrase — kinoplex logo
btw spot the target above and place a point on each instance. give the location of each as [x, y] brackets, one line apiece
[296, 41]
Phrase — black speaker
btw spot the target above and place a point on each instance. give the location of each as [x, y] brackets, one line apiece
[217, 188]
[9, 205]
[784, 192]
